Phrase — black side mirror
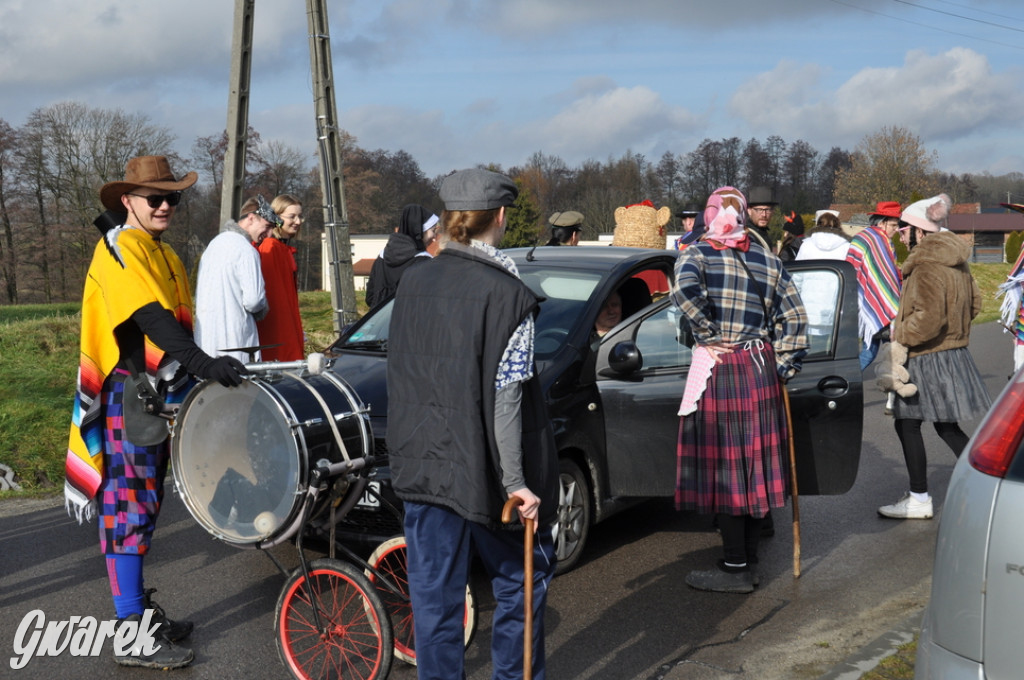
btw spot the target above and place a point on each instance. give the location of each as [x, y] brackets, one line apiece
[625, 358]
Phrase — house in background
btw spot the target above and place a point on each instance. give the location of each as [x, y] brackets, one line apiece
[987, 231]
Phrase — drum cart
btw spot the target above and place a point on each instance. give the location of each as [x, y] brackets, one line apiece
[255, 465]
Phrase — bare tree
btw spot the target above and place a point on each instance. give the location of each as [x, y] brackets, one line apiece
[799, 169]
[889, 165]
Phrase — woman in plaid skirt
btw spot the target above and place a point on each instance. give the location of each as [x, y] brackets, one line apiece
[751, 333]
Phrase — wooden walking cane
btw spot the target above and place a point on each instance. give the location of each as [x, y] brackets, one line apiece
[792, 477]
[506, 516]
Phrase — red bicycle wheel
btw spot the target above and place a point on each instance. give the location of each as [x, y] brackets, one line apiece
[354, 639]
[388, 563]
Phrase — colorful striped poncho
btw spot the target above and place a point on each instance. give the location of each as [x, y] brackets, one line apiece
[1012, 309]
[129, 270]
[878, 281]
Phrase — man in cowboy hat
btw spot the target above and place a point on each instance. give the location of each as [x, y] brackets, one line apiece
[136, 346]
[760, 205]
[230, 294]
[878, 278]
[565, 228]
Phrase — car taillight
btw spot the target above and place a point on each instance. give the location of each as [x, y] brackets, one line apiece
[1000, 434]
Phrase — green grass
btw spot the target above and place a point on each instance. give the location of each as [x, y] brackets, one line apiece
[38, 368]
[898, 666]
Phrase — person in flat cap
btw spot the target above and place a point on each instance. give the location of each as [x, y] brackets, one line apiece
[230, 292]
[468, 431]
[761, 204]
[136, 342]
[565, 228]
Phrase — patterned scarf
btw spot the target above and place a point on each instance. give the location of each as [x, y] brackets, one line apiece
[517, 362]
[878, 281]
[725, 216]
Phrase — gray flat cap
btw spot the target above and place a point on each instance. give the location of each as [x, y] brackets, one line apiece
[477, 189]
[567, 218]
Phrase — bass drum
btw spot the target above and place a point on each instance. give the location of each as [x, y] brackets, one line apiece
[242, 456]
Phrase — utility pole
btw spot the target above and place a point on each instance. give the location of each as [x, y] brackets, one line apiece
[339, 245]
[238, 112]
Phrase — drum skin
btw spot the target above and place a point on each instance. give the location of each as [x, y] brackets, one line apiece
[241, 456]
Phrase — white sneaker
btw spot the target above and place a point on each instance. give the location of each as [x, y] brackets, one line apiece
[907, 507]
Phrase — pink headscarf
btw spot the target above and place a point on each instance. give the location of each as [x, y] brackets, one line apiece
[725, 216]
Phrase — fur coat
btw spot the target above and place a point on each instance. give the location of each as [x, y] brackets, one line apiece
[940, 297]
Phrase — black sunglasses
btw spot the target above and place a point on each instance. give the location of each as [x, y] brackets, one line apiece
[157, 200]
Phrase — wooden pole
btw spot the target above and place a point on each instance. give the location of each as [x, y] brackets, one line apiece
[792, 476]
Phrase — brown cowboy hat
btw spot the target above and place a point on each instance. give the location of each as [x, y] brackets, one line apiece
[153, 172]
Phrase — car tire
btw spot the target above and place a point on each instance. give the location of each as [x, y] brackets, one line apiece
[574, 515]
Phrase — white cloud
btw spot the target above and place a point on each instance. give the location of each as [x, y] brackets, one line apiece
[938, 97]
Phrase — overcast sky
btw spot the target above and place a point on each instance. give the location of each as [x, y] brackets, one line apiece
[461, 82]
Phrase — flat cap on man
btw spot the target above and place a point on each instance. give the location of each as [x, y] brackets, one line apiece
[477, 189]
[566, 218]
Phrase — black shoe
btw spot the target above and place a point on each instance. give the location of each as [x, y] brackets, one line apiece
[166, 656]
[736, 580]
[172, 630]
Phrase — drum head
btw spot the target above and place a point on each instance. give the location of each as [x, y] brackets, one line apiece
[236, 461]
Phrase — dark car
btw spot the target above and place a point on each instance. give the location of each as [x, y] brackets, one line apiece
[614, 399]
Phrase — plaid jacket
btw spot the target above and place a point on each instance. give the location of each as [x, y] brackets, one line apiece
[722, 304]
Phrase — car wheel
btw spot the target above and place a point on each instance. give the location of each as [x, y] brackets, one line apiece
[574, 514]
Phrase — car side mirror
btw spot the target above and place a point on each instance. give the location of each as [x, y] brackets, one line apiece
[625, 358]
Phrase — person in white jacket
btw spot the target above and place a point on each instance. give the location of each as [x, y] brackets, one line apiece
[230, 295]
[826, 241]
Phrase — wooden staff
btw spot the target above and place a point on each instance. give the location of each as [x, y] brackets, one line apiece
[506, 516]
[792, 477]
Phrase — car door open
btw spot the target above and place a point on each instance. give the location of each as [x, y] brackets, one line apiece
[641, 371]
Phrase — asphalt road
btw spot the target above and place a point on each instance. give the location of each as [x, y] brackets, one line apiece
[623, 614]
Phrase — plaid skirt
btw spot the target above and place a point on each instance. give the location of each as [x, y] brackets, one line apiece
[732, 454]
[133, 480]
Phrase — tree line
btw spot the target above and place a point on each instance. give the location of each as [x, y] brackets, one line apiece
[51, 169]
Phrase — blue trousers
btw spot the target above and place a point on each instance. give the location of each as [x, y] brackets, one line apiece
[868, 353]
[440, 548]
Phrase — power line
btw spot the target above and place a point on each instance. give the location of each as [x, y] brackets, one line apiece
[979, 11]
[959, 16]
[934, 28]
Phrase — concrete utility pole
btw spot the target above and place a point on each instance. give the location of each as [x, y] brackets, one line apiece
[339, 245]
[238, 112]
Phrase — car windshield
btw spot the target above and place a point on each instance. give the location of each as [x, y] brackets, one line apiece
[566, 294]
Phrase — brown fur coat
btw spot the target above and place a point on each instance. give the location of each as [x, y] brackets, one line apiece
[940, 297]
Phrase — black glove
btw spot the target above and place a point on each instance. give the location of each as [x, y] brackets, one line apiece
[228, 371]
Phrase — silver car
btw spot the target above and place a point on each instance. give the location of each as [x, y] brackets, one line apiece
[971, 627]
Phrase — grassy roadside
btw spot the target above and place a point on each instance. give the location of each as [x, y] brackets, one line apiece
[38, 363]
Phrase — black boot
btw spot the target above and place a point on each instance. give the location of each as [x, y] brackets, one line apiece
[172, 630]
[165, 656]
[722, 579]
